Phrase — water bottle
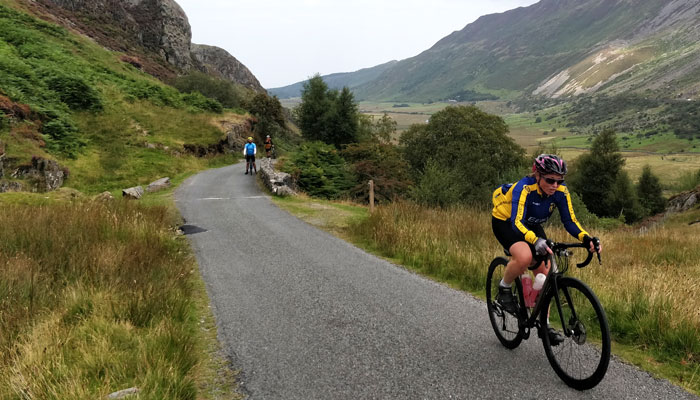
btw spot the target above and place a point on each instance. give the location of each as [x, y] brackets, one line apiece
[536, 287]
[526, 281]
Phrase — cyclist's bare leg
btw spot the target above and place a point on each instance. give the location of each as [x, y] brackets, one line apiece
[521, 258]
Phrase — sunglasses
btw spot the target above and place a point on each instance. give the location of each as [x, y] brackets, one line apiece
[553, 181]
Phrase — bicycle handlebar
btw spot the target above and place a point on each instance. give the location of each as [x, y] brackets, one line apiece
[563, 246]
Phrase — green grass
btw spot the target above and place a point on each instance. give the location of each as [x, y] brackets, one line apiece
[95, 114]
[99, 297]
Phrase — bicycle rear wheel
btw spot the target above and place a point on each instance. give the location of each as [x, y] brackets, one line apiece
[504, 324]
[581, 361]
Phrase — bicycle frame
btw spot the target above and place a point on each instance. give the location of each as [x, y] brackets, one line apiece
[559, 250]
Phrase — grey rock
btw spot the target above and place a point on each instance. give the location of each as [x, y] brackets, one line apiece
[46, 175]
[135, 192]
[161, 27]
[160, 184]
[10, 186]
[219, 62]
[280, 183]
[124, 393]
[158, 25]
[104, 197]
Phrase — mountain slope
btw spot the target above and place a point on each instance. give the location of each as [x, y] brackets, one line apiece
[66, 99]
[336, 81]
[556, 48]
[156, 33]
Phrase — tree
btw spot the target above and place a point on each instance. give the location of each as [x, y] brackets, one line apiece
[343, 119]
[595, 174]
[385, 127]
[268, 111]
[327, 115]
[469, 144]
[382, 163]
[649, 192]
[380, 130]
[314, 107]
[622, 199]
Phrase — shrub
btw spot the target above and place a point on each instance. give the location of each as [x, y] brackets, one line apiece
[223, 91]
[156, 94]
[320, 171]
[63, 137]
[73, 91]
[436, 186]
[381, 163]
[200, 102]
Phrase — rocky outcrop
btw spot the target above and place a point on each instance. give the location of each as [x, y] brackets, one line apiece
[160, 26]
[149, 29]
[10, 186]
[217, 61]
[683, 201]
[233, 141]
[43, 175]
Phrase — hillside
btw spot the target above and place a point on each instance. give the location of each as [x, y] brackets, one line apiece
[156, 33]
[336, 81]
[555, 48]
[76, 114]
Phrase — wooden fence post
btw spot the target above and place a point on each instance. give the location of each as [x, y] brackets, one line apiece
[371, 196]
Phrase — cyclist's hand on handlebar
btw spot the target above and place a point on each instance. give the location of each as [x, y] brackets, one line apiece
[593, 244]
[541, 247]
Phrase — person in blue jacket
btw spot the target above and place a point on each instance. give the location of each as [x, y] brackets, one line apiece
[249, 151]
[520, 209]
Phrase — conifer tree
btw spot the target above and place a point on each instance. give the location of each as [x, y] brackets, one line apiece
[650, 193]
[596, 173]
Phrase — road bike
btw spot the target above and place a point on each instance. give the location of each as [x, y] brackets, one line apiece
[565, 304]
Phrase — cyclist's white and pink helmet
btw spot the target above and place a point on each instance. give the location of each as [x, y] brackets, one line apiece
[549, 164]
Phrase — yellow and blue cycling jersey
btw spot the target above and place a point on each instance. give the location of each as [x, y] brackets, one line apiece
[525, 205]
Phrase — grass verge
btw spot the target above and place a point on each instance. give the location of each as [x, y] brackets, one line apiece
[100, 297]
[646, 282]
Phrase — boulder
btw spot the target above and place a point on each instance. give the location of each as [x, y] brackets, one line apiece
[683, 201]
[134, 193]
[104, 197]
[160, 184]
[124, 393]
[46, 175]
[10, 186]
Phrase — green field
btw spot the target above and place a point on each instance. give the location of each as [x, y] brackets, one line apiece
[669, 156]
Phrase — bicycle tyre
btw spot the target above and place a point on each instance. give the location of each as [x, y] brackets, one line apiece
[506, 326]
[579, 362]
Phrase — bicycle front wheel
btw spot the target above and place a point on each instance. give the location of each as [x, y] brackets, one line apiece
[504, 324]
[581, 360]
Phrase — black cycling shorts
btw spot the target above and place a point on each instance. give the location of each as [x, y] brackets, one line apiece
[507, 236]
[250, 158]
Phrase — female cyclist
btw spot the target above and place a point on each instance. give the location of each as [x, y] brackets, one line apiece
[519, 210]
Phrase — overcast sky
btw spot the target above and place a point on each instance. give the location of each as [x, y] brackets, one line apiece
[287, 41]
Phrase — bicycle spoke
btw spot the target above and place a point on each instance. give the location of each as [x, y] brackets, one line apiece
[582, 358]
[504, 324]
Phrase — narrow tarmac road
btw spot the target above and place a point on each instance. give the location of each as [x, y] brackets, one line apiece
[305, 315]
